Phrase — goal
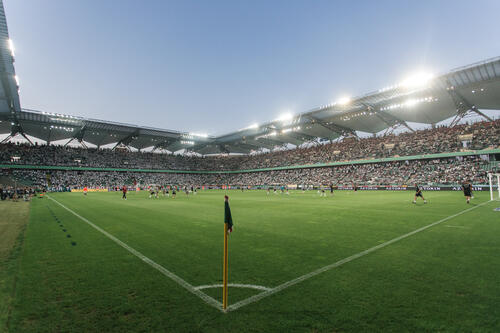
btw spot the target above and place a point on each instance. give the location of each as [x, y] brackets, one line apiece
[494, 179]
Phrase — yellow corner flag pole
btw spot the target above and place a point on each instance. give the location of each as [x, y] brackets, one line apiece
[225, 269]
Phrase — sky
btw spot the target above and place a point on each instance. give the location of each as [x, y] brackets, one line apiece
[214, 67]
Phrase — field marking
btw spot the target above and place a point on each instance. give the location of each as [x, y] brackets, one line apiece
[456, 226]
[304, 277]
[186, 285]
[234, 285]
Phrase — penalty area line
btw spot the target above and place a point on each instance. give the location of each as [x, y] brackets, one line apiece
[186, 285]
[307, 276]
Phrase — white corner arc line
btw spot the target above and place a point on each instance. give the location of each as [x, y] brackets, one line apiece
[233, 285]
[304, 277]
[186, 285]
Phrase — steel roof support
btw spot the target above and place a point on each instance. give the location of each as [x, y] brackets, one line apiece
[464, 107]
[392, 121]
[341, 130]
[127, 140]
[78, 136]
[15, 130]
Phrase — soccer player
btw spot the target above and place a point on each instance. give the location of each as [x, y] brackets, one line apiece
[85, 190]
[173, 192]
[124, 191]
[418, 193]
[467, 187]
[331, 190]
[268, 190]
[151, 192]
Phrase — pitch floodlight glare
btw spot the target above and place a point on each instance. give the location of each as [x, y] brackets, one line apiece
[286, 116]
[17, 80]
[344, 100]
[11, 46]
[411, 102]
[202, 135]
[417, 80]
[253, 126]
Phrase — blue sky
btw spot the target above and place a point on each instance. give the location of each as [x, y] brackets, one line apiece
[217, 66]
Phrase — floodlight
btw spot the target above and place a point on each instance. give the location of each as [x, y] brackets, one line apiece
[417, 80]
[344, 100]
[17, 80]
[202, 135]
[411, 102]
[285, 117]
[253, 126]
[11, 46]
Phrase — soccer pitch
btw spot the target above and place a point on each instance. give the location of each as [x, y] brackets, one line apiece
[298, 262]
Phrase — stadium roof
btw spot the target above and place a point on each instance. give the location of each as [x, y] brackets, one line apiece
[422, 99]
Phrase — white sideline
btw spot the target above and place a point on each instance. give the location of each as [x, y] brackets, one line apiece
[290, 283]
[233, 285]
[207, 299]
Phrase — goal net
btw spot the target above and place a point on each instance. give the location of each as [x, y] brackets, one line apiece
[494, 180]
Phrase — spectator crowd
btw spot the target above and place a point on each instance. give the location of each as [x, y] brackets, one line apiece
[444, 171]
[476, 136]
[450, 170]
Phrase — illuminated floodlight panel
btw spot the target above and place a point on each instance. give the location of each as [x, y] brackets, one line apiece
[344, 100]
[417, 80]
[10, 44]
[286, 117]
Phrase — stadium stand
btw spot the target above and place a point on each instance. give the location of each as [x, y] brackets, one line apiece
[476, 136]
[445, 171]
[298, 164]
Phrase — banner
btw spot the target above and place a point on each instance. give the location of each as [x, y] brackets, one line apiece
[90, 190]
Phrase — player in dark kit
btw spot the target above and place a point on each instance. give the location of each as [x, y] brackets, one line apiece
[331, 189]
[418, 193]
[124, 191]
[467, 187]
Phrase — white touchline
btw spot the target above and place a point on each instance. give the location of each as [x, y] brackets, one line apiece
[186, 285]
[290, 283]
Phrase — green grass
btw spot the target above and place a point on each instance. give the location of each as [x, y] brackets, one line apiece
[445, 278]
[13, 220]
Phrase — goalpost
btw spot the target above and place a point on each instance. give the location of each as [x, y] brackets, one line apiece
[494, 178]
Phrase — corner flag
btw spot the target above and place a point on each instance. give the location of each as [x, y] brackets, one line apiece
[227, 214]
[228, 227]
